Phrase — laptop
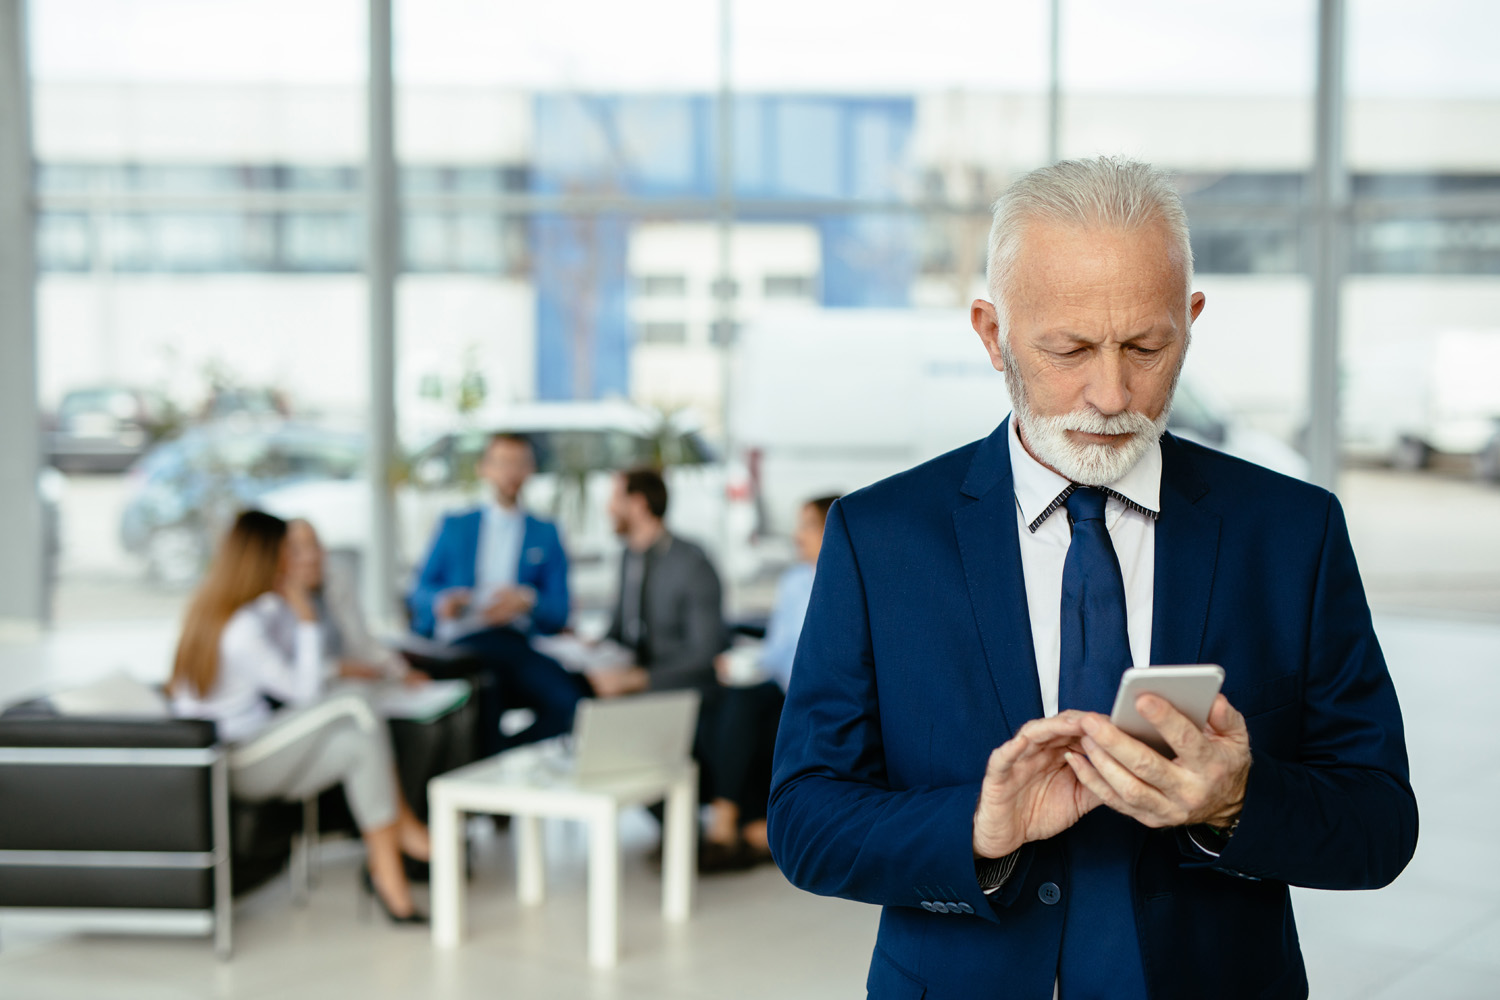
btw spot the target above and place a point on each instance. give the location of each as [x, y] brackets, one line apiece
[641, 731]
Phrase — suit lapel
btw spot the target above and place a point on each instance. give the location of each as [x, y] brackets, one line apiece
[991, 554]
[472, 538]
[1187, 550]
[525, 568]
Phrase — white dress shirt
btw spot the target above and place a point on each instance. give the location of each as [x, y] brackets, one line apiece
[255, 659]
[501, 534]
[497, 563]
[1044, 551]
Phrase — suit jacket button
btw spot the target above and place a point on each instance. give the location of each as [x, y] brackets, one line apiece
[1049, 893]
[929, 907]
[965, 908]
[940, 907]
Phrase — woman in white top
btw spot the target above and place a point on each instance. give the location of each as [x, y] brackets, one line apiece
[236, 650]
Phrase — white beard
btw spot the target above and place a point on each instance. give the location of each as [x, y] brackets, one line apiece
[1089, 464]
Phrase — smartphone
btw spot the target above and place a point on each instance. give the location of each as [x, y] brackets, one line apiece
[1190, 689]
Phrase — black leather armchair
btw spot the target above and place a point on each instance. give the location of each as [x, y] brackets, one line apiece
[127, 824]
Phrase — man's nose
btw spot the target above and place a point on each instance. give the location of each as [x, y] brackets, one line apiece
[1108, 391]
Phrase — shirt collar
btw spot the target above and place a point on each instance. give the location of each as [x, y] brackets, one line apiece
[494, 512]
[1040, 491]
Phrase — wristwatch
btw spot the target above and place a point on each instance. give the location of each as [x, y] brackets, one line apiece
[1216, 837]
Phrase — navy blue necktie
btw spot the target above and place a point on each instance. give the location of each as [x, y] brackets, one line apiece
[1101, 952]
[1095, 642]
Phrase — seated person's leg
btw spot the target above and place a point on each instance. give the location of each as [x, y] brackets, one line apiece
[493, 649]
[549, 689]
[524, 678]
[768, 700]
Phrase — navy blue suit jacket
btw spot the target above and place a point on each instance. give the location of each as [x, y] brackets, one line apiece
[916, 660]
[453, 562]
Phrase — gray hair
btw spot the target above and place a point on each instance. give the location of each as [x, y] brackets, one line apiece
[1104, 192]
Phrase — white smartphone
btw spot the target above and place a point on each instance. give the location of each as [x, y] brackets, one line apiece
[1190, 689]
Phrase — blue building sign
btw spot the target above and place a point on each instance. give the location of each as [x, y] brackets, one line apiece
[808, 148]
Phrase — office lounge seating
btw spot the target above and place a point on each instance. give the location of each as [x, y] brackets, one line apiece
[127, 825]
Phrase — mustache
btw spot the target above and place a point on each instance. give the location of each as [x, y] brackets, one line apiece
[1091, 421]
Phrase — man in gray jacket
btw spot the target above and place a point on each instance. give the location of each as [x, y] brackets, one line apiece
[669, 609]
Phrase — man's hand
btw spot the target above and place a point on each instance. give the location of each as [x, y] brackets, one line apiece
[613, 683]
[510, 604]
[416, 678]
[1203, 783]
[355, 670]
[452, 603]
[1029, 791]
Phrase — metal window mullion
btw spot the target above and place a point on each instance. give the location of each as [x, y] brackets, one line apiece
[1330, 204]
[383, 263]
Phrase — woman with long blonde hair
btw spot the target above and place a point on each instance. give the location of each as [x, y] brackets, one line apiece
[252, 631]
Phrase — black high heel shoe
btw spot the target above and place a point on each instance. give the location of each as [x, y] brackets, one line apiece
[416, 869]
[367, 892]
[420, 871]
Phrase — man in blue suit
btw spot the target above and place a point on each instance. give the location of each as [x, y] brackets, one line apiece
[945, 750]
[496, 576]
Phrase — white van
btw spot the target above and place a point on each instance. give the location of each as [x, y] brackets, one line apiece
[830, 401]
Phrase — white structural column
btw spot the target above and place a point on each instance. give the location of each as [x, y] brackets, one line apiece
[22, 540]
[382, 220]
[1328, 243]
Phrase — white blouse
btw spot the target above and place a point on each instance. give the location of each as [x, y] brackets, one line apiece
[264, 650]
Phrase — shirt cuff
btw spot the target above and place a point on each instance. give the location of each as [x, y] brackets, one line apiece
[993, 873]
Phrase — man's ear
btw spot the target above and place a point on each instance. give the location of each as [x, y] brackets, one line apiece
[986, 323]
[1195, 306]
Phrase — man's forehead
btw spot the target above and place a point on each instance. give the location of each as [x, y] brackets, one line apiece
[1057, 242]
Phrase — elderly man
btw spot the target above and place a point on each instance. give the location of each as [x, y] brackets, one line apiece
[943, 751]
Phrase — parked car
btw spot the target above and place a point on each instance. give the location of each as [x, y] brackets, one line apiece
[50, 487]
[578, 445]
[184, 492]
[106, 428]
[1406, 405]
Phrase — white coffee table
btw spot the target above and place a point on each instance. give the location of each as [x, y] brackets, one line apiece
[519, 784]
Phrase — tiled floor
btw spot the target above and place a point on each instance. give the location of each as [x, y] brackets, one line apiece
[1434, 934]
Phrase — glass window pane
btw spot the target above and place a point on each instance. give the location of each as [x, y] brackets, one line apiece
[199, 200]
[844, 100]
[1190, 86]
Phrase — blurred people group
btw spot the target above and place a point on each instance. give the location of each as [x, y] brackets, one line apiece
[274, 646]
[252, 658]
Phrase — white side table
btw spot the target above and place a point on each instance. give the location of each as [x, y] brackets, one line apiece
[519, 784]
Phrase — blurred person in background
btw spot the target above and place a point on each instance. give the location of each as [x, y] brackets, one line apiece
[668, 614]
[252, 634]
[355, 654]
[744, 732]
[496, 576]
[669, 610]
